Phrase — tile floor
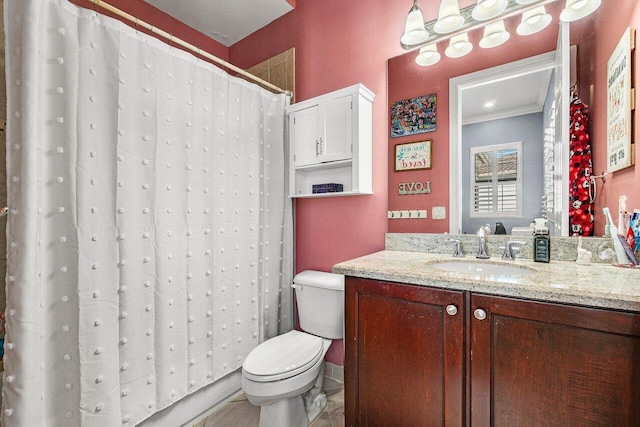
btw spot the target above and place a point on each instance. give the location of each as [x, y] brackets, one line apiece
[240, 413]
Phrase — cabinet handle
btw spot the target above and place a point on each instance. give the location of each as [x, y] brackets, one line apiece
[452, 310]
[317, 149]
[321, 150]
[479, 314]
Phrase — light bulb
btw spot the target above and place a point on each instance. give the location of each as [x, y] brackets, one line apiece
[449, 18]
[533, 20]
[414, 31]
[494, 35]
[428, 56]
[488, 9]
[578, 9]
[458, 46]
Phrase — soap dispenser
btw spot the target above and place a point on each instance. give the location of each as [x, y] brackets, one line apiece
[541, 241]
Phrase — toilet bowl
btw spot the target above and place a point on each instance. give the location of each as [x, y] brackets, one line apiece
[284, 374]
[279, 388]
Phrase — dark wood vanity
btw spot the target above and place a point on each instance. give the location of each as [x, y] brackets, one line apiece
[418, 355]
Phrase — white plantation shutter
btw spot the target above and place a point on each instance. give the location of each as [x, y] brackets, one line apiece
[496, 180]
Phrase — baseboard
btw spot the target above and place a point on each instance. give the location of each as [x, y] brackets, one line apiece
[333, 371]
[213, 409]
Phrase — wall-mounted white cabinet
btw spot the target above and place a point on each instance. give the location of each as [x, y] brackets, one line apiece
[330, 139]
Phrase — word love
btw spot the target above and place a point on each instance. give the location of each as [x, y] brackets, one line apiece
[406, 188]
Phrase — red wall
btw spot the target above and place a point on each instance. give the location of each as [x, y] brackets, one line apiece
[407, 80]
[616, 16]
[338, 43]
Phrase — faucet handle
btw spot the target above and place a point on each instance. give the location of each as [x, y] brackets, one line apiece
[512, 248]
[457, 251]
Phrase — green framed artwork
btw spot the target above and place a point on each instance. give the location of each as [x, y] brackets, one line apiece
[413, 156]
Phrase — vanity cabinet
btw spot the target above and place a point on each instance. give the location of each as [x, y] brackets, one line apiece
[411, 360]
[546, 364]
[330, 142]
[404, 355]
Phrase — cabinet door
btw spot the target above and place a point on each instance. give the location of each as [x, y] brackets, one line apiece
[337, 132]
[404, 355]
[543, 364]
[305, 136]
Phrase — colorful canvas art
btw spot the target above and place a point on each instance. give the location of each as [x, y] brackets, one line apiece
[413, 116]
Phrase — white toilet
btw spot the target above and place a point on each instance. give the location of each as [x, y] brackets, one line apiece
[283, 375]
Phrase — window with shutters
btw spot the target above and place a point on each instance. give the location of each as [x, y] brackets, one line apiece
[496, 180]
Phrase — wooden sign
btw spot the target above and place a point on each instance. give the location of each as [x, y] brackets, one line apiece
[407, 188]
[412, 156]
[620, 103]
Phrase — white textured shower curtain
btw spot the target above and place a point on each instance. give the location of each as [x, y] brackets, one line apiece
[149, 234]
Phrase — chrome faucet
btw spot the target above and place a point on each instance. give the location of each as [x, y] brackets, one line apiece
[511, 249]
[482, 234]
[457, 251]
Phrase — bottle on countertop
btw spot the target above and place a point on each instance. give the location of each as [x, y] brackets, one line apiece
[541, 241]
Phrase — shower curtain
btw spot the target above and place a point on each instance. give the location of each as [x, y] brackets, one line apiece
[149, 234]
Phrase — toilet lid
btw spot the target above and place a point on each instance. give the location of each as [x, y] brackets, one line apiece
[283, 357]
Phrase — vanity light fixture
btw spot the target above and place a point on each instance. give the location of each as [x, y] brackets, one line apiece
[428, 55]
[454, 24]
[487, 9]
[533, 21]
[458, 46]
[449, 18]
[494, 35]
[414, 31]
[578, 9]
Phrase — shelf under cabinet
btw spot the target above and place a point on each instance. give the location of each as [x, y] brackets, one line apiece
[336, 194]
[325, 173]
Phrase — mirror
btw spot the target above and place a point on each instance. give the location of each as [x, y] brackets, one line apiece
[503, 105]
[407, 80]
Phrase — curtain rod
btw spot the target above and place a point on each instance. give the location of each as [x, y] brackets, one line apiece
[184, 44]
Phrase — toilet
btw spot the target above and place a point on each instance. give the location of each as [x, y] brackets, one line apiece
[283, 375]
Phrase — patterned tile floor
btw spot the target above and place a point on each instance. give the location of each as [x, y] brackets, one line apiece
[240, 413]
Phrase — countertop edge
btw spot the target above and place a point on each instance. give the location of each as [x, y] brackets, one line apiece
[554, 282]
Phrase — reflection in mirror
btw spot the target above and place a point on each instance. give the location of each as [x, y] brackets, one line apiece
[495, 186]
[501, 105]
[595, 37]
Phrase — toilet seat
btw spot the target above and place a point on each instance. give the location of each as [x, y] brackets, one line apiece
[283, 357]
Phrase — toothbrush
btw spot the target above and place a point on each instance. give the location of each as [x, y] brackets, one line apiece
[617, 244]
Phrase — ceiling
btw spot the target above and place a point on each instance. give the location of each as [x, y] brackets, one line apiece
[512, 97]
[225, 21]
[228, 21]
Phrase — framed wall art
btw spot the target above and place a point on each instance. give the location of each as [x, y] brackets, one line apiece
[412, 156]
[620, 104]
[411, 116]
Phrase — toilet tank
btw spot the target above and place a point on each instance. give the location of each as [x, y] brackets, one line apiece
[320, 298]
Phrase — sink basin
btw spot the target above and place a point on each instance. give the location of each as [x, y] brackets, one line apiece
[483, 268]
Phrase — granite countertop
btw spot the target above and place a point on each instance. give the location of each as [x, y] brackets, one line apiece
[596, 285]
